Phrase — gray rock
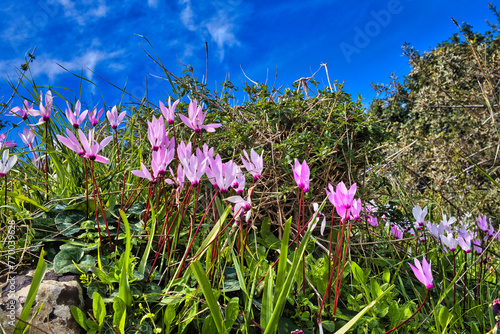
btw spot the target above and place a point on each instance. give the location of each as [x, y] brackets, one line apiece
[56, 292]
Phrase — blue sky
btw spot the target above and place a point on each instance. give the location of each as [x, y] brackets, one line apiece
[359, 40]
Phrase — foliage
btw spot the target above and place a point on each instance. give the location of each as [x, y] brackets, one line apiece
[445, 107]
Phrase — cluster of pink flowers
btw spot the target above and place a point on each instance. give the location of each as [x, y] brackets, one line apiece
[195, 164]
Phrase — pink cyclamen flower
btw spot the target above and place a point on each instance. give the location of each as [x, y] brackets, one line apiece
[449, 241]
[169, 113]
[6, 143]
[23, 112]
[465, 241]
[72, 143]
[196, 118]
[239, 181]
[355, 210]
[28, 137]
[94, 116]
[342, 198]
[242, 207]
[301, 174]
[482, 223]
[194, 168]
[396, 232]
[75, 118]
[255, 165]
[45, 111]
[318, 216]
[92, 147]
[156, 132]
[144, 173]
[115, 119]
[7, 163]
[423, 272]
[419, 215]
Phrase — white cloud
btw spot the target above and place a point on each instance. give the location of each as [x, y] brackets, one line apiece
[187, 15]
[92, 9]
[88, 61]
[218, 21]
[153, 3]
[221, 31]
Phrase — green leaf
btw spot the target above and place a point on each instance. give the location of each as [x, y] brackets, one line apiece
[65, 259]
[386, 277]
[124, 287]
[68, 222]
[209, 326]
[120, 315]
[169, 316]
[444, 316]
[231, 313]
[358, 273]
[26, 199]
[79, 316]
[267, 299]
[358, 316]
[41, 268]
[206, 288]
[98, 308]
[281, 275]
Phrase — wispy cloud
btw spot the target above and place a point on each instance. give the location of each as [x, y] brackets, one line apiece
[92, 9]
[220, 26]
[153, 3]
[88, 61]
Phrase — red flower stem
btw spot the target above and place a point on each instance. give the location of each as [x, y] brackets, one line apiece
[418, 310]
[86, 187]
[102, 208]
[96, 212]
[339, 278]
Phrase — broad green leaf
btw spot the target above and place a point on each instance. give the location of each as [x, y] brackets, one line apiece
[231, 313]
[120, 315]
[68, 222]
[98, 308]
[209, 326]
[79, 316]
[65, 259]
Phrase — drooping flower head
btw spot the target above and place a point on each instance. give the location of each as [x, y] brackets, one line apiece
[423, 272]
[7, 163]
[196, 118]
[92, 147]
[301, 174]
[23, 112]
[72, 143]
[6, 143]
[342, 199]
[45, 111]
[169, 113]
[74, 117]
[28, 137]
[156, 132]
[114, 118]
[94, 116]
[419, 215]
[255, 165]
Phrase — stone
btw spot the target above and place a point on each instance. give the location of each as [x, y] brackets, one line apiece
[56, 292]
